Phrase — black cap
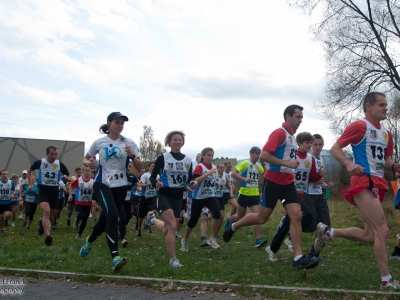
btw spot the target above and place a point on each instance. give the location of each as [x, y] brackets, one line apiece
[255, 149]
[115, 115]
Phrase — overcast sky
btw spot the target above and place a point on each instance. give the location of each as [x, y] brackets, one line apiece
[221, 71]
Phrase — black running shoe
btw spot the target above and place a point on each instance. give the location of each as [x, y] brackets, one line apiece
[228, 233]
[48, 240]
[304, 263]
[68, 222]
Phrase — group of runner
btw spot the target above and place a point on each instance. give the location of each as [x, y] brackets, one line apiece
[291, 174]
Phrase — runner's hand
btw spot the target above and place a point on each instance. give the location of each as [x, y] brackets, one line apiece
[355, 169]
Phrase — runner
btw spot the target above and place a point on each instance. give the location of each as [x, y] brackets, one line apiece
[72, 194]
[228, 193]
[51, 170]
[83, 187]
[314, 195]
[62, 191]
[280, 152]
[305, 173]
[175, 170]
[148, 199]
[248, 172]
[21, 180]
[30, 198]
[136, 199]
[125, 211]
[372, 147]
[224, 181]
[110, 184]
[204, 196]
[6, 195]
[15, 200]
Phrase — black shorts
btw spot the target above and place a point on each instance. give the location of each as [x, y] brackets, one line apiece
[49, 194]
[60, 204]
[248, 201]
[15, 203]
[272, 192]
[164, 203]
[226, 197]
[5, 207]
[145, 205]
[221, 203]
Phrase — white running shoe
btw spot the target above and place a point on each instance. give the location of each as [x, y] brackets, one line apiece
[124, 243]
[185, 246]
[147, 223]
[321, 237]
[391, 284]
[175, 263]
[288, 243]
[213, 243]
[12, 224]
[271, 255]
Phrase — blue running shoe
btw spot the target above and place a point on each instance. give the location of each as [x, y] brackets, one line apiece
[260, 242]
[85, 250]
[227, 223]
[118, 262]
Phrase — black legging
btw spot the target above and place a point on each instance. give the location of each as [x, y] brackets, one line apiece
[306, 220]
[198, 204]
[30, 209]
[110, 200]
[83, 216]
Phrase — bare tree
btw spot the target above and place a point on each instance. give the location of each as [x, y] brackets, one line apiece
[361, 39]
[393, 124]
[149, 147]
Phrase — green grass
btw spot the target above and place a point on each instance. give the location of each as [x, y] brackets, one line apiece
[347, 265]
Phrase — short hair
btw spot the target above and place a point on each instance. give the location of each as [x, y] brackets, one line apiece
[227, 162]
[371, 98]
[51, 148]
[318, 137]
[254, 149]
[14, 175]
[83, 168]
[168, 138]
[290, 110]
[220, 164]
[77, 169]
[304, 137]
[1, 172]
[150, 163]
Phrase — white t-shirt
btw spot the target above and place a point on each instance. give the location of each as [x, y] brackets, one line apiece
[113, 160]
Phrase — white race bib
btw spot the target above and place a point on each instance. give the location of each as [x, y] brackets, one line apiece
[115, 179]
[30, 198]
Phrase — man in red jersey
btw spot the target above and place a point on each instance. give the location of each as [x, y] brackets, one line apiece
[280, 152]
[372, 146]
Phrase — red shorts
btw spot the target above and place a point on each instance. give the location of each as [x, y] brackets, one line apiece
[378, 193]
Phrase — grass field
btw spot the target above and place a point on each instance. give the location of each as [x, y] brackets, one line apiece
[346, 265]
